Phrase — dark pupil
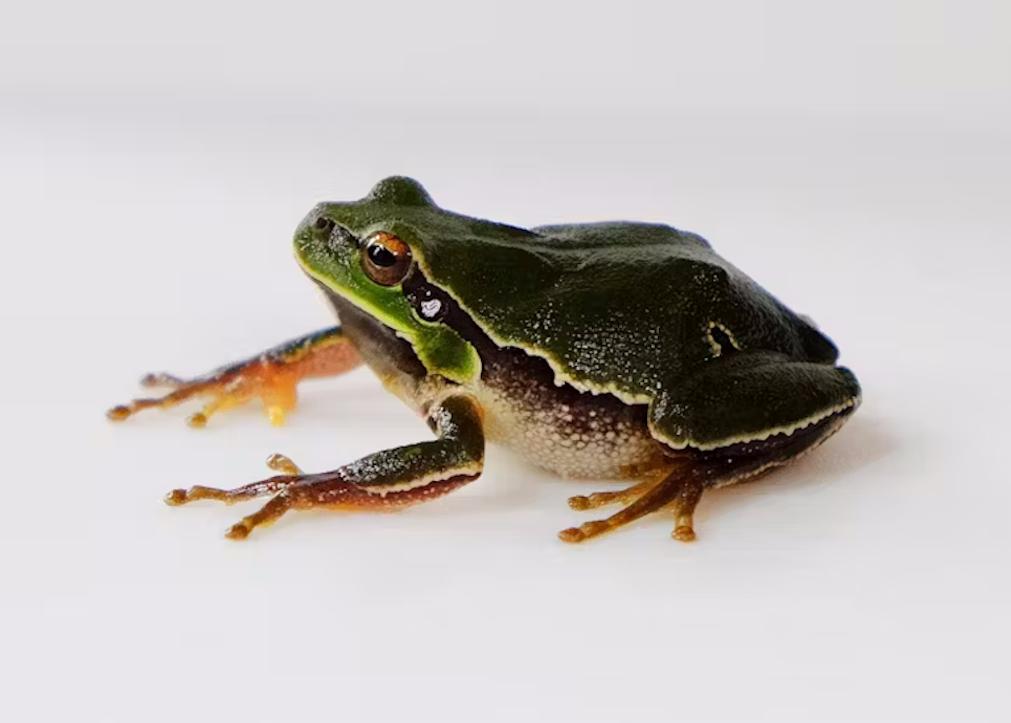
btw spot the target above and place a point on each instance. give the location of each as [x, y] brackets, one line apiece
[381, 256]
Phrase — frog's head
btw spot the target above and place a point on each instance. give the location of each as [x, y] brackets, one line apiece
[364, 250]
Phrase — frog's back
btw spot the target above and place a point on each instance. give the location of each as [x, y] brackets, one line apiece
[620, 307]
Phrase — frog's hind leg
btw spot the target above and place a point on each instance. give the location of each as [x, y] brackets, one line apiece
[681, 488]
[699, 470]
[271, 376]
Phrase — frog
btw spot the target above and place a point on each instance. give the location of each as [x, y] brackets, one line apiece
[626, 351]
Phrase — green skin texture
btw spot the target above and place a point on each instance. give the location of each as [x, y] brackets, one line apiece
[618, 308]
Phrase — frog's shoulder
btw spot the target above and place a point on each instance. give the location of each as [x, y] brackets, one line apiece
[618, 307]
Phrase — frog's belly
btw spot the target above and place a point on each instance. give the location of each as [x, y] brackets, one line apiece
[570, 433]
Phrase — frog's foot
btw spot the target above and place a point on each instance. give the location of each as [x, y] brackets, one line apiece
[280, 463]
[382, 481]
[271, 376]
[290, 473]
[685, 502]
[613, 497]
[680, 488]
[225, 389]
[699, 470]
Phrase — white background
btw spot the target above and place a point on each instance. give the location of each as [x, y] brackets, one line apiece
[853, 157]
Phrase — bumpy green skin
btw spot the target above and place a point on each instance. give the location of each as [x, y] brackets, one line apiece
[622, 308]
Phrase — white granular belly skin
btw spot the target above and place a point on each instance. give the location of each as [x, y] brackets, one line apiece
[580, 438]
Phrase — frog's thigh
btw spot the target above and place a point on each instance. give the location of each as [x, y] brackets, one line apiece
[384, 480]
[272, 376]
[746, 396]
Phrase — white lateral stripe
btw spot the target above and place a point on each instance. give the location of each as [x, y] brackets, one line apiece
[765, 434]
[413, 484]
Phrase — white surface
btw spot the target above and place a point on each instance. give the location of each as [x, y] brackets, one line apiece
[854, 159]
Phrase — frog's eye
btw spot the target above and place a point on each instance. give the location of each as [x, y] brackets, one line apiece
[385, 258]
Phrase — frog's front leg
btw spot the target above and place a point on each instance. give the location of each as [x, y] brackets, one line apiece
[381, 481]
[272, 376]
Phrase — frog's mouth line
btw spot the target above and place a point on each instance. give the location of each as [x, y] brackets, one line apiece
[493, 358]
[439, 347]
